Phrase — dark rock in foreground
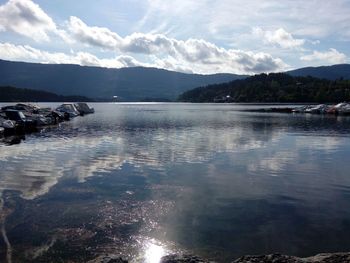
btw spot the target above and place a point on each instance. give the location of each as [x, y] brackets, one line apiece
[272, 258]
[183, 259]
[278, 258]
[268, 258]
[108, 259]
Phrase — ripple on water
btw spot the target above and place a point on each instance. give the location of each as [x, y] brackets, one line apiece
[198, 174]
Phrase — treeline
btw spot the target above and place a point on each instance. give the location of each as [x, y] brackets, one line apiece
[12, 94]
[274, 87]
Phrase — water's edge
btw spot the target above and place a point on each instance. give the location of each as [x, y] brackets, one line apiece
[323, 257]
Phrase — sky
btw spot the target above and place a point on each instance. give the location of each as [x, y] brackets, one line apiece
[206, 37]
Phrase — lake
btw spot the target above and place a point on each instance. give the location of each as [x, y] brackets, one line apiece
[143, 180]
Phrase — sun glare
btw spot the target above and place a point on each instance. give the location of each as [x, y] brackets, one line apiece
[153, 253]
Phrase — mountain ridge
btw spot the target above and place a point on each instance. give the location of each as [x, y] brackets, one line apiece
[332, 72]
[13, 94]
[130, 83]
[134, 83]
[272, 88]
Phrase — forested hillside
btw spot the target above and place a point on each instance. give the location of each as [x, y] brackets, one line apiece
[12, 94]
[129, 84]
[274, 87]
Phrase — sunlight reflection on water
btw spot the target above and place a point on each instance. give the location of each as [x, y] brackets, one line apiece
[180, 176]
[153, 253]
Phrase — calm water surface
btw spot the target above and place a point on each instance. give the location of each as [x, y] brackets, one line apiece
[144, 180]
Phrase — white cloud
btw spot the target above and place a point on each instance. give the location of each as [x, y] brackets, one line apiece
[279, 37]
[240, 61]
[199, 55]
[18, 52]
[95, 36]
[26, 18]
[173, 64]
[227, 61]
[201, 37]
[332, 56]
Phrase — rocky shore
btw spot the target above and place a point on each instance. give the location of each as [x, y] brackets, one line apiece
[272, 258]
[326, 258]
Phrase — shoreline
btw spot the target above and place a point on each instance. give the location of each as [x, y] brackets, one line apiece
[339, 257]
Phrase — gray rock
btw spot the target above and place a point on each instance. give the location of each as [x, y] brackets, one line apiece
[183, 259]
[108, 259]
[278, 258]
[272, 258]
[330, 258]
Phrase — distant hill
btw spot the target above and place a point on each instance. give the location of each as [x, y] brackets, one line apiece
[135, 83]
[274, 87]
[12, 94]
[325, 72]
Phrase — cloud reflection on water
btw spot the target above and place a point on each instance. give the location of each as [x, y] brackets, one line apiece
[152, 136]
[250, 172]
[33, 167]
